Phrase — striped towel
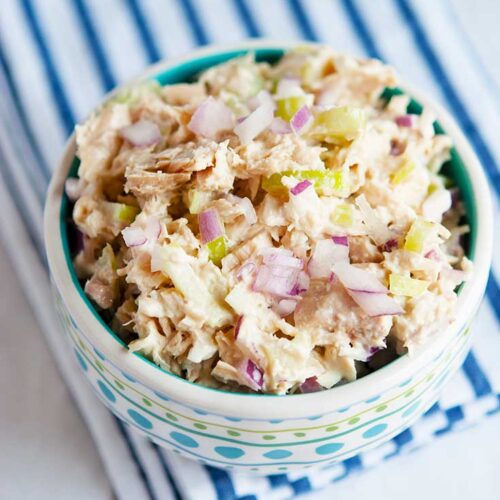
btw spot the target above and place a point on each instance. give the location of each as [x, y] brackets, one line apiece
[56, 61]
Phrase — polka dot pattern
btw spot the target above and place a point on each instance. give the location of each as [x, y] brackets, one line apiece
[108, 394]
[184, 440]
[140, 420]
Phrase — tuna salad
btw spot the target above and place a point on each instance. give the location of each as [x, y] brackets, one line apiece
[277, 228]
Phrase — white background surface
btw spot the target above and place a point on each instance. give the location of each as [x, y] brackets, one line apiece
[47, 453]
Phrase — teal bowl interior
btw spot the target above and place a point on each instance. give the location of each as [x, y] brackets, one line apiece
[187, 72]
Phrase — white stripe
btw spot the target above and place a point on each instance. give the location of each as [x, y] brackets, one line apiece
[378, 454]
[168, 26]
[333, 27]
[151, 464]
[275, 19]
[65, 40]
[190, 477]
[476, 410]
[119, 36]
[116, 459]
[31, 81]
[220, 21]
[467, 81]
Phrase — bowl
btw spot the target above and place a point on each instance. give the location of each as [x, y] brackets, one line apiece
[266, 433]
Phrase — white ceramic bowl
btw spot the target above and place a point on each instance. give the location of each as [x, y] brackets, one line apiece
[263, 433]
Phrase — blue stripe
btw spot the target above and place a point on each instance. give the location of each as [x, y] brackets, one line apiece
[476, 376]
[449, 93]
[278, 480]
[493, 291]
[147, 40]
[248, 497]
[55, 85]
[403, 438]
[453, 415]
[246, 16]
[361, 29]
[167, 472]
[6, 68]
[123, 431]
[199, 35]
[222, 483]
[302, 20]
[352, 464]
[108, 81]
[301, 486]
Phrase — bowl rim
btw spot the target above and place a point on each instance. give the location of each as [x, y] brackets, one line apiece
[270, 406]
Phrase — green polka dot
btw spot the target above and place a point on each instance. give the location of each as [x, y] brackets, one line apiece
[82, 345]
[332, 428]
[429, 377]
[409, 393]
[268, 437]
[254, 468]
[299, 434]
[99, 365]
[119, 385]
[354, 420]
[233, 433]
[171, 417]
[147, 402]
[381, 408]
[282, 468]
[200, 426]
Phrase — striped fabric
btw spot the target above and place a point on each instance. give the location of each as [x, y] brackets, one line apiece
[57, 58]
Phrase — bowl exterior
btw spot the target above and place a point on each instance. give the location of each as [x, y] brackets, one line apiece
[257, 445]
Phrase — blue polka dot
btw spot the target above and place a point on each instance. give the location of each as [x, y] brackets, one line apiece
[410, 409]
[99, 354]
[81, 361]
[184, 440]
[229, 451]
[73, 323]
[278, 454]
[374, 431]
[161, 396]
[275, 421]
[371, 400]
[326, 449]
[106, 391]
[128, 377]
[406, 382]
[316, 417]
[140, 420]
[233, 419]
[343, 410]
[200, 412]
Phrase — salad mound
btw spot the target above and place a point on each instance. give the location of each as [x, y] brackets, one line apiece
[272, 228]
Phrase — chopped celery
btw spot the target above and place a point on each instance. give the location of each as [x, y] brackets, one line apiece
[325, 182]
[217, 249]
[106, 262]
[343, 215]
[121, 212]
[404, 285]
[403, 172]
[131, 95]
[196, 200]
[340, 124]
[288, 106]
[418, 234]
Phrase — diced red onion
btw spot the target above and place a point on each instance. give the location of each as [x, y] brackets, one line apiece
[390, 245]
[276, 280]
[245, 270]
[280, 126]
[376, 304]
[302, 284]
[341, 240]
[142, 133]
[255, 123]
[210, 225]
[301, 119]
[269, 251]
[237, 327]
[310, 384]
[436, 204]
[211, 117]
[326, 253]
[299, 187]
[254, 374]
[357, 279]
[153, 229]
[404, 120]
[282, 259]
[134, 237]
[263, 97]
[246, 205]
[73, 188]
[376, 228]
[288, 87]
[433, 255]
[286, 307]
